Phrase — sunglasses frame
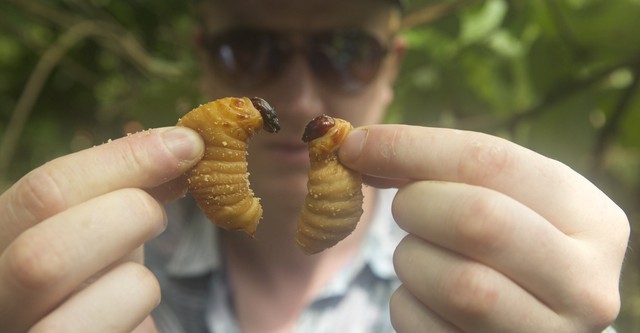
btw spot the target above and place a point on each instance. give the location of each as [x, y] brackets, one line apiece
[349, 66]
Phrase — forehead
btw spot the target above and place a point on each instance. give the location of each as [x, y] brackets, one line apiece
[375, 15]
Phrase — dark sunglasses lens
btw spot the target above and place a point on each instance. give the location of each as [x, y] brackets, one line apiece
[246, 57]
[348, 59]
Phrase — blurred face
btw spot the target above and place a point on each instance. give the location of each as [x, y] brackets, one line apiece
[302, 68]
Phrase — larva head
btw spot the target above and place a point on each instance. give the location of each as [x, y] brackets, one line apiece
[318, 127]
[269, 117]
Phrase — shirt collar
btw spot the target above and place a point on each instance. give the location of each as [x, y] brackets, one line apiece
[383, 237]
[198, 252]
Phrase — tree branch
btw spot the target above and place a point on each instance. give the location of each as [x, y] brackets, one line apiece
[564, 30]
[562, 91]
[48, 13]
[124, 44]
[71, 67]
[33, 87]
[610, 129]
[117, 38]
[430, 13]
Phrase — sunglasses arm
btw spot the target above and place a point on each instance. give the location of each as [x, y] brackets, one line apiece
[396, 55]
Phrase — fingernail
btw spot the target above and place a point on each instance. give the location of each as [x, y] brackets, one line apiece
[352, 145]
[183, 143]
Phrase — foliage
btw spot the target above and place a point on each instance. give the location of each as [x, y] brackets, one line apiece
[124, 68]
[558, 76]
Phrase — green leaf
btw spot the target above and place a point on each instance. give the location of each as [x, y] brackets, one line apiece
[479, 23]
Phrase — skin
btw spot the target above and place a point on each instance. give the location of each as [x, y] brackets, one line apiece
[272, 279]
[501, 239]
[72, 232]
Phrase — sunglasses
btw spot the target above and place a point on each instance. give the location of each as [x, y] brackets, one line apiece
[250, 57]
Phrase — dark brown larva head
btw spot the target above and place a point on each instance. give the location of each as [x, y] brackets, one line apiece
[269, 117]
[318, 127]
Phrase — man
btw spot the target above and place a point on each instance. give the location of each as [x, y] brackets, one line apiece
[500, 239]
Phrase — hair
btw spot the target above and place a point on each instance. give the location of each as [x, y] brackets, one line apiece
[400, 3]
[197, 7]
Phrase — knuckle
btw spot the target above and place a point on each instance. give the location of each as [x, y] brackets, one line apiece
[472, 294]
[34, 263]
[387, 149]
[483, 160]
[144, 208]
[132, 157]
[145, 279]
[396, 296]
[621, 220]
[480, 223]
[605, 309]
[400, 311]
[600, 306]
[143, 155]
[402, 257]
[396, 303]
[40, 193]
[54, 326]
[384, 150]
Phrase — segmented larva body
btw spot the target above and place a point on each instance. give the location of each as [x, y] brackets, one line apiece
[220, 181]
[333, 204]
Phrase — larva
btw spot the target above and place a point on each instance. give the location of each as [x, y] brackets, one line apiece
[220, 181]
[333, 204]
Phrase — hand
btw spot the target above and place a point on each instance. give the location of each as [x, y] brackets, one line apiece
[71, 233]
[501, 239]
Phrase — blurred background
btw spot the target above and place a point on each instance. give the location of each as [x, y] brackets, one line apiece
[558, 76]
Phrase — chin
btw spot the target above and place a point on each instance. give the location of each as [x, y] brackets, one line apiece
[281, 192]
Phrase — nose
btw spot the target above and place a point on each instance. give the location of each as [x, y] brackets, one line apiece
[297, 95]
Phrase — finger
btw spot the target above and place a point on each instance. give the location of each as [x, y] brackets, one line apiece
[143, 160]
[497, 231]
[147, 326]
[383, 182]
[118, 302]
[468, 294]
[51, 260]
[171, 190]
[550, 188]
[409, 315]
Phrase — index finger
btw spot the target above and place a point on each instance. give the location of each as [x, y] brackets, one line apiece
[420, 153]
[142, 160]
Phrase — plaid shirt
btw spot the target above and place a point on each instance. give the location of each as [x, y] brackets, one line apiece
[195, 294]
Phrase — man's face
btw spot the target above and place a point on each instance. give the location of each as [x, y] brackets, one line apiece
[278, 162]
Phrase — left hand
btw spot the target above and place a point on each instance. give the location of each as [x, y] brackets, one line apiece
[501, 239]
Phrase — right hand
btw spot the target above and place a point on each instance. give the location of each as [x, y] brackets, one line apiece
[72, 230]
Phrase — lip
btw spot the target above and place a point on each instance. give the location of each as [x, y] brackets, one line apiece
[289, 152]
